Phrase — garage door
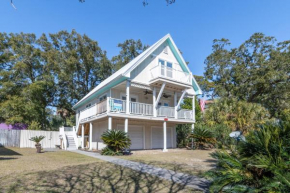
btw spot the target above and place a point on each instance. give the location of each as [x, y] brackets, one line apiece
[135, 133]
[157, 137]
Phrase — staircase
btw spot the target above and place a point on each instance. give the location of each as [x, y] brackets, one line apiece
[71, 142]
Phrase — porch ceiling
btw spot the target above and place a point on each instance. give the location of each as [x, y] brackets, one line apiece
[170, 88]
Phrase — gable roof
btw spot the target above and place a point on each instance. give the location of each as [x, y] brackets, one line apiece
[124, 72]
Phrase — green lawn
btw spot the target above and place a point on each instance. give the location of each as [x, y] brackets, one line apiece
[22, 170]
[194, 162]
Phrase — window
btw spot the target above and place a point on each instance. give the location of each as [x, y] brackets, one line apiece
[102, 98]
[161, 62]
[133, 99]
[169, 64]
[165, 104]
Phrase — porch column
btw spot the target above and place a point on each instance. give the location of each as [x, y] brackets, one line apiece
[126, 125]
[91, 135]
[193, 108]
[128, 97]
[164, 137]
[110, 123]
[192, 129]
[109, 96]
[175, 105]
[154, 101]
[83, 136]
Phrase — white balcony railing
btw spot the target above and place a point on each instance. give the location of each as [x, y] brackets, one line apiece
[141, 108]
[93, 110]
[117, 105]
[135, 108]
[184, 114]
[163, 111]
[89, 111]
[160, 71]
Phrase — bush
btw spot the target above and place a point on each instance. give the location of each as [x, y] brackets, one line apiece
[202, 137]
[116, 140]
[222, 135]
[259, 164]
[183, 135]
[108, 151]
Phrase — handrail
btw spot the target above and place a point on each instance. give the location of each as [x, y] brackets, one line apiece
[165, 111]
[185, 114]
[64, 139]
[141, 108]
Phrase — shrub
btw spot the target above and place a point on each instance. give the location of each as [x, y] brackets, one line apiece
[108, 151]
[203, 136]
[222, 135]
[116, 140]
[183, 135]
[259, 164]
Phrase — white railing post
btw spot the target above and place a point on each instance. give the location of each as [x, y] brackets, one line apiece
[164, 137]
[193, 108]
[175, 105]
[110, 123]
[83, 136]
[91, 135]
[108, 104]
[126, 125]
[128, 97]
[154, 101]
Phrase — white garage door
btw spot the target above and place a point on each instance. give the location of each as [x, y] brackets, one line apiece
[157, 137]
[136, 135]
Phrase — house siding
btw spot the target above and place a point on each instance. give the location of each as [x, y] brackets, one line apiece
[101, 126]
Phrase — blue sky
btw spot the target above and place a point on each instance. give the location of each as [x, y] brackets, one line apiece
[193, 24]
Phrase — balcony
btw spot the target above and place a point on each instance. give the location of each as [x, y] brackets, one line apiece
[135, 108]
[161, 71]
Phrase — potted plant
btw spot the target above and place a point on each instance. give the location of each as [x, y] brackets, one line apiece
[37, 139]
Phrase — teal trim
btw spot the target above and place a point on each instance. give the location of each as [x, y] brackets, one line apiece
[183, 66]
[101, 91]
[177, 56]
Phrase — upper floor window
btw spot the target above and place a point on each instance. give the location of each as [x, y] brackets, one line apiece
[161, 62]
[133, 99]
[166, 68]
[102, 98]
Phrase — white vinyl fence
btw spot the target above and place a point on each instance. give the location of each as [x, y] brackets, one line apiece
[10, 138]
[22, 139]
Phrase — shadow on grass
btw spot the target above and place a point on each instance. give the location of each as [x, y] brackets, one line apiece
[7, 152]
[96, 177]
[7, 158]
